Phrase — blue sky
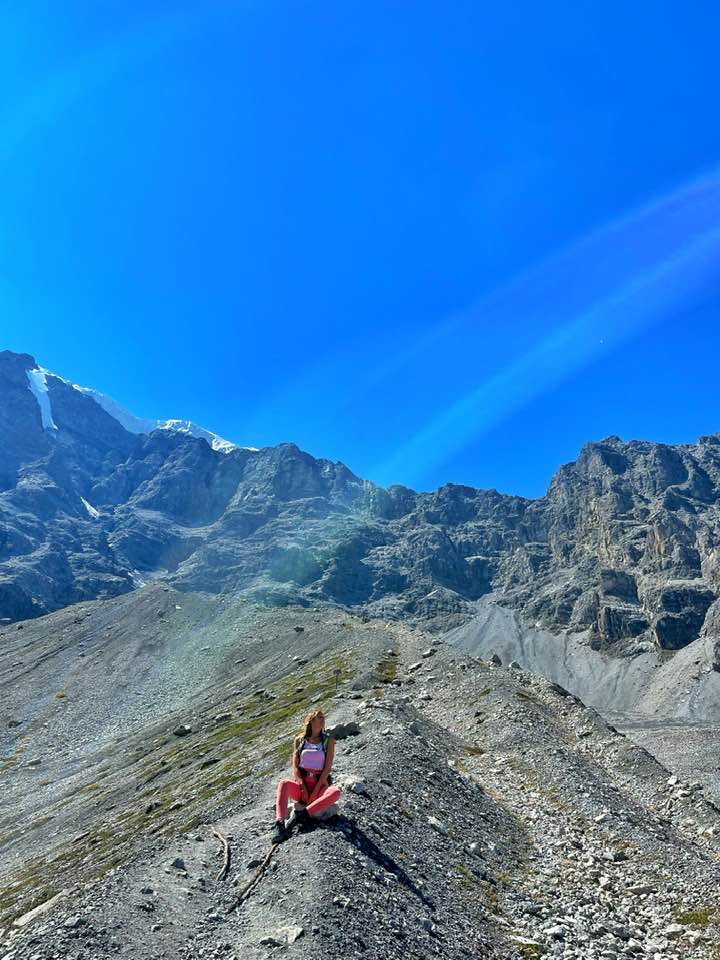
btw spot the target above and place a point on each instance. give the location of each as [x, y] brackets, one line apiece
[438, 242]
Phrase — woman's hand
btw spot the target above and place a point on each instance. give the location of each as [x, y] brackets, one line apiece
[317, 790]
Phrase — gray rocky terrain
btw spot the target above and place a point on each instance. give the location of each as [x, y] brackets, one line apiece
[485, 811]
[525, 694]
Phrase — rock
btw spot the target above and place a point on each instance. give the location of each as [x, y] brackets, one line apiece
[495, 659]
[182, 730]
[40, 910]
[427, 653]
[72, 923]
[438, 826]
[35, 762]
[357, 787]
[514, 665]
[222, 717]
[178, 863]
[283, 936]
[341, 731]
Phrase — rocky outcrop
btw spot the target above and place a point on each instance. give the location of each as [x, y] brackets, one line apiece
[623, 544]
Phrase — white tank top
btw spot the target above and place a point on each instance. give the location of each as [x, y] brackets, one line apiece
[312, 756]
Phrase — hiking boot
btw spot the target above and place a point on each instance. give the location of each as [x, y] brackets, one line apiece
[297, 818]
[280, 832]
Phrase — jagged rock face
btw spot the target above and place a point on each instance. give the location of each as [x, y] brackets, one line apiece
[623, 544]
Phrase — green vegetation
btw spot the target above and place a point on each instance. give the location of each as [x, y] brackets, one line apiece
[699, 917]
[387, 668]
[530, 951]
[529, 697]
[254, 743]
[467, 877]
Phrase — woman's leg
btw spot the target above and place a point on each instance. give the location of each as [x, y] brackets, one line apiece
[286, 790]
[326, 796]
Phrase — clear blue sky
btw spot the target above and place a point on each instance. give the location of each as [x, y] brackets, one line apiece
[435, 241]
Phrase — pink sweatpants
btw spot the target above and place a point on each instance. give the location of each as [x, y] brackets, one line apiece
[290, 790]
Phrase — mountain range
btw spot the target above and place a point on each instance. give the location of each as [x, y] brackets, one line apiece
[525, 696]
[623, 546]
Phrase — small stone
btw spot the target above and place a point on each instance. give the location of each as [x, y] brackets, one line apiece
[438, 826]
[182, 730]
[358, 787]
[178, 863]
[494, 658]
[72, 923]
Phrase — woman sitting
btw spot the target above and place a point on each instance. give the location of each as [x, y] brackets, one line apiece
[312, 760]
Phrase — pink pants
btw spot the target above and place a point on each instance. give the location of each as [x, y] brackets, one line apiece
[290, 790]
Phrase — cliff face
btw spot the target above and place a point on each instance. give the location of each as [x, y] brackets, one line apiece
[623, 545]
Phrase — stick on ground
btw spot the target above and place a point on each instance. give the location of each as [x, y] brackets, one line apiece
[250, 886]
[226, 855]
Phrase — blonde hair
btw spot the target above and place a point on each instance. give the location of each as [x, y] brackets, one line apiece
[307, 727]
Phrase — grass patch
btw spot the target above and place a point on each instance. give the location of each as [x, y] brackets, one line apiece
[700, 917]
[529, 951]
[387, 668]
[256, 745]
[528, 697]
[467, 878]
[492, 899]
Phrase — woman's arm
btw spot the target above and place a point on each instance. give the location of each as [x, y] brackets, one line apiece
[329, 757]
[297, 774]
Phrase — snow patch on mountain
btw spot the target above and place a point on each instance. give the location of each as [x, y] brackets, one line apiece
[37, 380]
[135, 424]
[126, 419]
